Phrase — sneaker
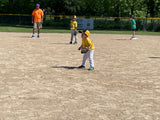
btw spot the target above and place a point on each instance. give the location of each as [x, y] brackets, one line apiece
[91, 68]
[32, 35]
[75, 42]
[81, 67]
[70, 43]
[38, 36]
[132, 38]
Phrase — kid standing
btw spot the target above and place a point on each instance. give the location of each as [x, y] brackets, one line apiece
[73, 26]
[86, 42]
[133, 26]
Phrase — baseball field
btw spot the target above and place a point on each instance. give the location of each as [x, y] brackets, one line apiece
[39, 79]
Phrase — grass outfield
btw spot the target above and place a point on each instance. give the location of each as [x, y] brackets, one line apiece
[20, 28]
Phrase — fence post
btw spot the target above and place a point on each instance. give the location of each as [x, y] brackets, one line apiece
[20, 20]
[144, 24]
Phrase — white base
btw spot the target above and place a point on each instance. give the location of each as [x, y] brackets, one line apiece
[133, 38]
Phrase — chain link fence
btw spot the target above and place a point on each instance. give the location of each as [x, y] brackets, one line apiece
[107, 23]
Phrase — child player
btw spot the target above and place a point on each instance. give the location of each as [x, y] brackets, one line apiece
[133, 26]
[86, 42]
[73, 26]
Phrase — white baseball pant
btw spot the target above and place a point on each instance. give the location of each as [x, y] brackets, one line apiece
[90, 55]
[72, 34]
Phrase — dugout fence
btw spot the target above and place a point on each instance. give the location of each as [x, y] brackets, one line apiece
[100, 23]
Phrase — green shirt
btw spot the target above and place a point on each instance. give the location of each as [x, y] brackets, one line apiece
[132, 24]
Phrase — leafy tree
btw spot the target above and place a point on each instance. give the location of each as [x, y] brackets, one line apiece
[117, 8]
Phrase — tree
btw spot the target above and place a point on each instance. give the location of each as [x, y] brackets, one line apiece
[117, 8]
[152, 7]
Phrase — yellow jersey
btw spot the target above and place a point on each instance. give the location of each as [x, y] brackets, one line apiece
[73, 25]
[87, 42]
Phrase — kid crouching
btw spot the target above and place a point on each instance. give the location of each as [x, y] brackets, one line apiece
[87, 43]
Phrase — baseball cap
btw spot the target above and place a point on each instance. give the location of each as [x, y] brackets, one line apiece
[37, 5]
[74, 16]
[132, 16]
[87, 32]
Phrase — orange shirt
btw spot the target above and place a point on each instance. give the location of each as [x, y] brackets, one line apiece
[37, 13]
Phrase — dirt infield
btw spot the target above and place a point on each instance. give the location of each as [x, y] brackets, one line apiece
[39, 79]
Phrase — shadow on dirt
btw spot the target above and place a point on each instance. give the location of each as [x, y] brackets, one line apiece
[120, 39]
[66, 67]
[154, 57]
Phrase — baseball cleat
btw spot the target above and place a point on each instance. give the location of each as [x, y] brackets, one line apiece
[81, 67]
[91, 68]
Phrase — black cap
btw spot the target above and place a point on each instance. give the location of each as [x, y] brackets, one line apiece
[132, 16]
[82, 31]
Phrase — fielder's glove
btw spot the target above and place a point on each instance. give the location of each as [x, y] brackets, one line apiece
[84, 49]
[75, 33]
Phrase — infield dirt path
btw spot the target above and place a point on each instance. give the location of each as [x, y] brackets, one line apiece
[39, 79]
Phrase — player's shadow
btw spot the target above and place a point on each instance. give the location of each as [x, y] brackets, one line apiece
[154, 57]
[60, 43]
[65, 67]
[24, 36]
[119, 39]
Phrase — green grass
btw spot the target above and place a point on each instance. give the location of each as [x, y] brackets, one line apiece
[29, 29]
[26, 28]
[124, 32]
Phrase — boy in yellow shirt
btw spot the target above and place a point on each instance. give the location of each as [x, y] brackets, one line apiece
[86, 42]
[73, 26]
[37, 19]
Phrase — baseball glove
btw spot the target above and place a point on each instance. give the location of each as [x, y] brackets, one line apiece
[84, 49]
[80, 31]
[75, 33]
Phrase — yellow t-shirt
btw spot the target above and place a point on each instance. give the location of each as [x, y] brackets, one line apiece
[37, 13]
[87, 42]
[73, 25]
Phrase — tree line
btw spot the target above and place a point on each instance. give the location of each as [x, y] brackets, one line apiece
[101, 8]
